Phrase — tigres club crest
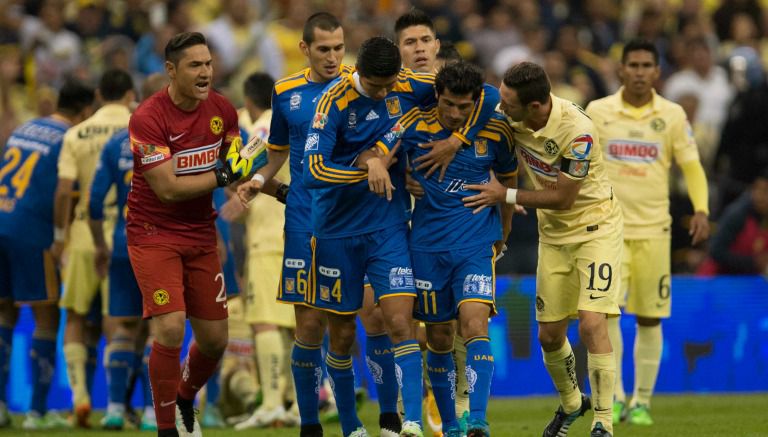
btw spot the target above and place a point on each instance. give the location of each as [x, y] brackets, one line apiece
[289, 285]
[481, 148]
[161, 297]
[393, 107]
[658, 124]
[550, 146]
[217, 125]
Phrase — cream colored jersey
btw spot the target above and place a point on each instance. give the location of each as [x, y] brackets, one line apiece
[568, 139]
[79, 155]
[266, 216]
[638, 146]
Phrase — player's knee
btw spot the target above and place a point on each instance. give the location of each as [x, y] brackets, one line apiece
[591, 329]
[170, 335]
[372, 320]
[440, 337]
[399, 327]
[474, 327]
[213, 347]
[550, 340]
[310, 329]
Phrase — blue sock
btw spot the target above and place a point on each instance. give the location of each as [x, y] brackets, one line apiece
[343, 384]
[90, 367]
[307, 369]
[147, 388]
[119, 364]
[479, 375]
[42, 356]
[212, 388]
[409, 370]
[381, 363]
[6, 339]
[442, 374]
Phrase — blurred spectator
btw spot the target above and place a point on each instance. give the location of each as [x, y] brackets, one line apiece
[723, 16]
[701, 77]
[55, 50]
[287, 32]
[554, 65]
[740, 244]
[447, 24]
[149, 55]
[498, 33]
[582, 64]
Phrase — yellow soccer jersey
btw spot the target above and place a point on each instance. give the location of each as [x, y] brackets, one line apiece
[80, 153]
[266, 216]
[569, 135]
[638, 146]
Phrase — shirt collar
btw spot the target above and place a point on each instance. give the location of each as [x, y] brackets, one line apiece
[618, 101]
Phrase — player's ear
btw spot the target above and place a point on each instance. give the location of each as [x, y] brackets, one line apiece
[304, 48]
[170, 68]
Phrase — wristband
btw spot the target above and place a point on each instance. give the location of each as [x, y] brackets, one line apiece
[281, 194]
[258, 177]
[59, 234]
[223, 177]
[511, 196]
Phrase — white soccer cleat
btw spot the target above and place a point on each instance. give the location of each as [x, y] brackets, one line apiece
[181, 425]
[262, 418]
[359, 432]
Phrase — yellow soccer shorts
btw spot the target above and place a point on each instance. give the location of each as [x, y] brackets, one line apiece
[645, 278]
[81, 282]
[263, 278]
[579, 277]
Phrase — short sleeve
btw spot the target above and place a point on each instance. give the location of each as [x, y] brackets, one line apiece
[148, 143]
[67, 166]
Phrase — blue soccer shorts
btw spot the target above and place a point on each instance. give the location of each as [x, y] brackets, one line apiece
[340, 266]
[124, 292]
[27, 273]
[297, 262]
[445, 280]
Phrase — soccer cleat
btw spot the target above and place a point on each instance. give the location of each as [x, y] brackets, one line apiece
[640, 415]
[599, 431]
[433, 415]
[82, 415]
[5, 417]
[559, 425]
[148, 423]
[463, 422]
[390, 425]
[263, 418]
[34, 422]
[113, 421]
[478, 428]
[292, 417]
[359, 432]
[619, 412]
[411, 429]
[454, 432]
[212, 418]
[186, 422]
[54, 420]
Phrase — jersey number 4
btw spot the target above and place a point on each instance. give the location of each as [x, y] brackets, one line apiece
[21, 169]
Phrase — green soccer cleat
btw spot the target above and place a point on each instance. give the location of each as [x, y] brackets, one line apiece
[212, 418]
[113, 421]
[411, 429]
[148, 423]
[463, 422]
[640, 415]
[478, 428]
[454, 432]
[559, 425]
[619, 412]
[599, 431]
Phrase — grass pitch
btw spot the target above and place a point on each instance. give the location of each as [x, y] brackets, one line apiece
[678, 416]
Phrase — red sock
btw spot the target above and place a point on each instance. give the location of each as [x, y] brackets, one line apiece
[164, 376]
[196, 371]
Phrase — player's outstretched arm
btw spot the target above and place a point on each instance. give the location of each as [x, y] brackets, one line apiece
[559, 198]
[250, 189]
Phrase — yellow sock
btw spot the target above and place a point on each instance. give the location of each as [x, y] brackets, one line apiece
[561, 365]
[617, 342]
[602, 374]
[75, 355]
[269, 358]
[462, 395]
[648, 345]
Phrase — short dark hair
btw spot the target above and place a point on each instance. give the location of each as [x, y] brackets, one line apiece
[322, 21]
[378, 57]
[114, 84]
[448, 52]
[414, 17]
[74, 96]
[529, 81]
[637, 45]
[460, 78]
[180, 42]
[258, 87]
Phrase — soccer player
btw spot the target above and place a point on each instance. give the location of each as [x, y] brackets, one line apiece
[417, 41]
[359, 223]
[452, 248]
[77, 164]
[580, 238]
[641, 132]
[28, 274]
[176, 137]
[115, 168]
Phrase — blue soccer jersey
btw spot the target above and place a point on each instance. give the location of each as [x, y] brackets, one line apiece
[28, 178]
[293, 105]
[346, 123]
[440, 220]
[115, 167]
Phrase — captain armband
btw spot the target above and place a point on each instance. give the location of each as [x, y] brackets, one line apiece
[578, 168]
